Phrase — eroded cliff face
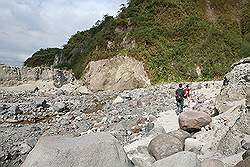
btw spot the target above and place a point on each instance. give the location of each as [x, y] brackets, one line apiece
[17, 75]
[116, 74]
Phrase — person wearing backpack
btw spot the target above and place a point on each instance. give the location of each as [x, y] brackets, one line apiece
[179, 99]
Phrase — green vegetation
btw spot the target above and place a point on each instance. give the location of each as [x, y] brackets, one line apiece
[173, 38]
[43, 57]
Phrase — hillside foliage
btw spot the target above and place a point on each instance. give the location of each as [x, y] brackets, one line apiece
[173, 38]
[43, 57]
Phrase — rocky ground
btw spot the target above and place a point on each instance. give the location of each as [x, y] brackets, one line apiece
[129, 115]
[134, 118]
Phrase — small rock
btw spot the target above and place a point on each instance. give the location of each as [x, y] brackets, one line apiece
[40, 102]
[149, 126]
[199, 86]
[59, 106]
[18, 111]
[151, 118]
[140, 120]
[104, 119]
[246, 146]
[118, 100]
[60, 92]
[35, 128]
[136, 129]
[24, 148]
[83, 90]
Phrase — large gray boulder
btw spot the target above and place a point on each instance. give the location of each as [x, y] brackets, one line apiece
[165, 145]
[181, 159]
[231, 126]
[180, 134]
[212, 163]
[116, 74]
[235, 85]
[244, 163]
[193, 121]
[93, 150]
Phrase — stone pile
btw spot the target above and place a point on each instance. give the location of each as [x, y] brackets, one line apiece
[129, 115]
[77, 126]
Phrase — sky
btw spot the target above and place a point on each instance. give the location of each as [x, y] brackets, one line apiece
[28, 25]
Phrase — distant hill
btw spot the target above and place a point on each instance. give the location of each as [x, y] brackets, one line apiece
[174, 38]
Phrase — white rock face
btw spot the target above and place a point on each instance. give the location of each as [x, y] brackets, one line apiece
[93, 150]
[116, 74]
[18, 75]
[180, 159]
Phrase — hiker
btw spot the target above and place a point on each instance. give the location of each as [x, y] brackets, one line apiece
[187, 94]
[179, 99]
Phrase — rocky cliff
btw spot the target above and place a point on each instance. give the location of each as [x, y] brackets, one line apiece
[18, 75]
[116, 74]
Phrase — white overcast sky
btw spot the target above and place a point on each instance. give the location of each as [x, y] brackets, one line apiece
[28, 25]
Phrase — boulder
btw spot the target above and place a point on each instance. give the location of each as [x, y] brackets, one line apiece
[156, 130]
[164, 145]
[180, 134]
[246, 155]
[116, 74]
[181, 159]
[234, 85]
[92, 150]
[141, 162]
[212, 163]
[193, 145]
[244, 163]
[193, 121]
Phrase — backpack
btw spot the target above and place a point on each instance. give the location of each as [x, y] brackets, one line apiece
[179, 94]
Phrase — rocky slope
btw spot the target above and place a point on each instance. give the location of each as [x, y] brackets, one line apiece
[135, 118]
